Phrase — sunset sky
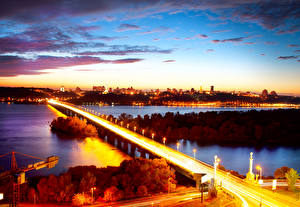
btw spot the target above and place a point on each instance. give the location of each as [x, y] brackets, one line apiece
[244, 45]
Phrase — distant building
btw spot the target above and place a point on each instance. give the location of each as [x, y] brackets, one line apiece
[62, 89]
[211, 89]
[100, 89]
[201, 90]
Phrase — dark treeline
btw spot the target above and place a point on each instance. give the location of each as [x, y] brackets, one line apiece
[279, 126]
[133, 178]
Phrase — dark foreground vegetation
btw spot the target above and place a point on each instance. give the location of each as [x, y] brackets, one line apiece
[73, 127]
[277, 127]
[133, 178]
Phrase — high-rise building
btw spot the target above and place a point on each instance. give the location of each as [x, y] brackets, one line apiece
[62, 89]
[211, 89]
[201, 90]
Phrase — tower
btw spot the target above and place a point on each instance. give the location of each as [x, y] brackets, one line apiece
[250, 177]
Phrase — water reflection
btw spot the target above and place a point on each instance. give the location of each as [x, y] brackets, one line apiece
[96, 152]
[25, 128]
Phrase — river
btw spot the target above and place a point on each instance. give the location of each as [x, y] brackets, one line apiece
[25, 128]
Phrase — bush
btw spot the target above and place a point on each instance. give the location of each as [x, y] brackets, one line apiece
[81, 199]
[113, 194]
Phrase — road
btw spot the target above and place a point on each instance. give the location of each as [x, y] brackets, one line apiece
[249, 194]
[159, 200]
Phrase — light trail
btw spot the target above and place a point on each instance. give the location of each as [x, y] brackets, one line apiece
[243, 190]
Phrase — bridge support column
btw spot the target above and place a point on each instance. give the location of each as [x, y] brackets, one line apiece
[151, 156]
[142, 153]
[125, 147]
[132, 150]
[119, 145]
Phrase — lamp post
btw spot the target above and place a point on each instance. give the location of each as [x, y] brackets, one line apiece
[194, 151]
[134, 128]
[127, 126]
[178, 145]
[164, 140]
[260, 171]
[92, 189]
[216, 163]
[153, 135]
[143, 132]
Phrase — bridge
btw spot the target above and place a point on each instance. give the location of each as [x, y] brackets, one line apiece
[249, 194]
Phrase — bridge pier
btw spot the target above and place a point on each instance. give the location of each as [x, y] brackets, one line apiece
[119, 143]
[125, 147]
[132, 150]
[142, 153]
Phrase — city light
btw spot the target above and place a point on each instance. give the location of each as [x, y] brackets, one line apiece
[233, 184]
[194, 151]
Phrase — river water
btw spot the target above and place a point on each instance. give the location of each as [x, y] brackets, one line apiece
[25, 129]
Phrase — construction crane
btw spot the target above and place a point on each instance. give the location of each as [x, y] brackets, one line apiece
[16, 175]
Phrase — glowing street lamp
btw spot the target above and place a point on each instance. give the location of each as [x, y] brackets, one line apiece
[194, 151]
[260, 171]
[178, 145]
[127, 126]
[153, 135]
[116, 120]
[134, 128]
[216, 163]
[164, 140]
[92, 189]
[121, 123]
[143, 132]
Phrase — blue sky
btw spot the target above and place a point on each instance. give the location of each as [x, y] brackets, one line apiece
[235, 45]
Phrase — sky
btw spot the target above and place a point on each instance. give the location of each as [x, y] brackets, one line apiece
[247, 45]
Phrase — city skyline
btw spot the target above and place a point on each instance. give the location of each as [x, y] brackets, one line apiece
[241, 46]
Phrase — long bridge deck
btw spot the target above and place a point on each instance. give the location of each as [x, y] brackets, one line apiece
[249, 194]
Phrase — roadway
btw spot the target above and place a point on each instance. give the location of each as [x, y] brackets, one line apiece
[249, 194]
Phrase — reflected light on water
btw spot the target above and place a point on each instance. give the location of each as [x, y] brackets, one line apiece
[93, 151]
[56, 112]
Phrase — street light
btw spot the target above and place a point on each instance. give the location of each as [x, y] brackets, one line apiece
[121, 123]
[260, 171]
[194, 151]
[134, 128]
[164, 140]
[216, 163]
[92, 189]
[178, 145]
[153, 135]
[143, 132]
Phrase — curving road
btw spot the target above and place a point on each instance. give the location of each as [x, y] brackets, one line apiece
[249, 194]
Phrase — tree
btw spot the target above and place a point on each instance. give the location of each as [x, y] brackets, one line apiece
[292, 177]
[113, 194]
[142, 191]
[280, 172]
[87, 182]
